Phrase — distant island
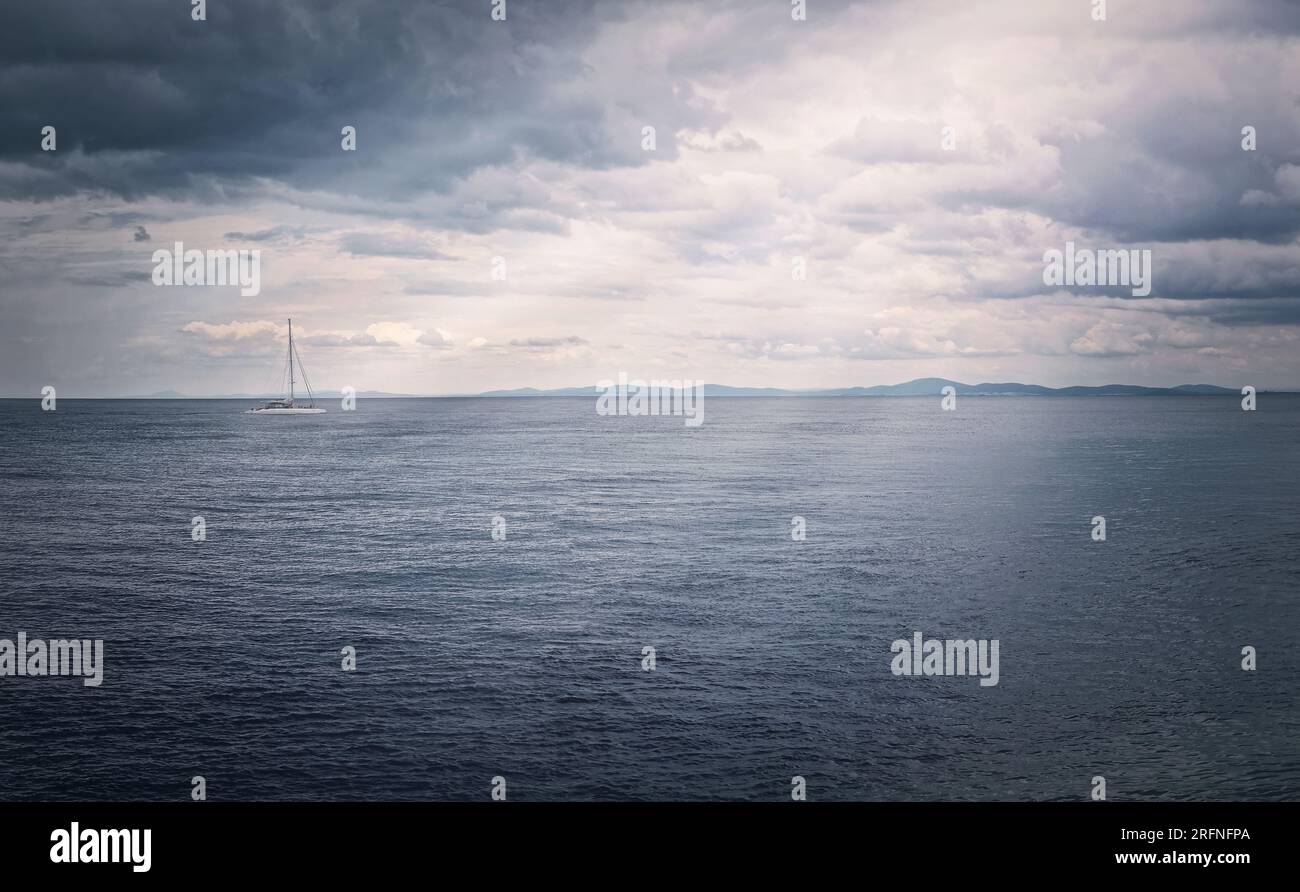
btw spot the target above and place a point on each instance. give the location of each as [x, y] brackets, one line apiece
[916, 387]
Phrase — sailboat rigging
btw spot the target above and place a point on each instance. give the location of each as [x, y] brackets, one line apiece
[289, 405]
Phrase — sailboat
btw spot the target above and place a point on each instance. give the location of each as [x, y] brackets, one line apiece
[289, 405]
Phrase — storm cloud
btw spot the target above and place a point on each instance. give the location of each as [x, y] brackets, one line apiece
[858, 198]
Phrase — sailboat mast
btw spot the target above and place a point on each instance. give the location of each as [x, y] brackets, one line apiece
[291, 360]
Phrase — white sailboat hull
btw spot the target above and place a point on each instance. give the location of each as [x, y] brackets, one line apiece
[286, 405]
[284, 412]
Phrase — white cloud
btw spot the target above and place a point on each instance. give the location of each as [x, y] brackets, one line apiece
[821, 142]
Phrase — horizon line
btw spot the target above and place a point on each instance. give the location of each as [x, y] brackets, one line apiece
[906, 388]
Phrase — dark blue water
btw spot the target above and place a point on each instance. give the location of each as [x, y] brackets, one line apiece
[522, 658]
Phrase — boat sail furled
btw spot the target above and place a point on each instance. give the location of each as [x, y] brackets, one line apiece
[289, 405]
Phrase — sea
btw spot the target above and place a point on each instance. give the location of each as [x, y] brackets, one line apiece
[573, 606]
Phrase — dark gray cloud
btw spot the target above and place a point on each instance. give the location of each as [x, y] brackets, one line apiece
[775, 140]
[147, 101]
[276, 234]
[448, 288]
[548, 343]
[370, 244]
[112, 279]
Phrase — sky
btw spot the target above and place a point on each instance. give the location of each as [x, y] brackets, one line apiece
[504, 220]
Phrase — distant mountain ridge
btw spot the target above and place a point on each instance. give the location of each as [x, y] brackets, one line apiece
[916, 387]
